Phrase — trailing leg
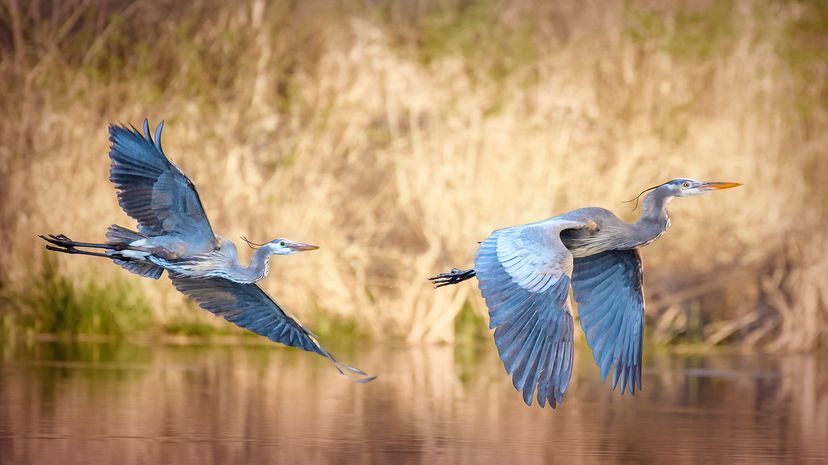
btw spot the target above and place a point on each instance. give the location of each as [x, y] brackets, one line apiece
[455, 276]
[62, 241]
[133, 259]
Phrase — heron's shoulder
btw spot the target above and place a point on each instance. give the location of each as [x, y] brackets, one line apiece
[224, 246]
[184, 246]
[587, 214]
[574, 219]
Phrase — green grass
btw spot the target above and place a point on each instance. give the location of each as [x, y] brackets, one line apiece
[469, 327]
[56, 304]
[53, 304]
[199, 328]
[476, 31]
[693, 34]
[804, 48]
[330, 327]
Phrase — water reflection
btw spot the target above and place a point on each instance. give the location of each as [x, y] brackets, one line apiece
[95, 403]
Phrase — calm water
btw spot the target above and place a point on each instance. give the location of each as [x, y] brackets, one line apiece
[128, 404]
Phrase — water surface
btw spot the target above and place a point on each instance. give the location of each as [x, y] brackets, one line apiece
[132, 404]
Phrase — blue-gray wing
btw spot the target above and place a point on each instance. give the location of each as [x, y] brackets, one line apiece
[249, 307]
[151, 189]
[523, 273]
[608, 289]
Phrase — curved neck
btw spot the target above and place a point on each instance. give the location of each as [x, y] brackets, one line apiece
[655, 206]
[654, 219]
[256, 270]
[259, 261]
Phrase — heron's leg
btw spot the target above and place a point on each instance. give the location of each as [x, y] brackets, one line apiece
[61, 243]
[455, 276]
[72, 250]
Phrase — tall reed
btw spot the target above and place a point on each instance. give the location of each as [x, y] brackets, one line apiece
[397, 135]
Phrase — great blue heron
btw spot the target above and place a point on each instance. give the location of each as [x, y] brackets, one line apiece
[524, 273]
[175, 235]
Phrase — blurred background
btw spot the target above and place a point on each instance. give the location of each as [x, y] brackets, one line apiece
[397, 134]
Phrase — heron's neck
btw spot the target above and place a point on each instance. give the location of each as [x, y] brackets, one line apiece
[259, 262]
[654, 219]
[256, 270]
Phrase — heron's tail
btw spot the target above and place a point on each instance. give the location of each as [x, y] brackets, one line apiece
[455, 276]
[119, 235]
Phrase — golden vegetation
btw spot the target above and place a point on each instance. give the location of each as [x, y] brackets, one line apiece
[397, 135]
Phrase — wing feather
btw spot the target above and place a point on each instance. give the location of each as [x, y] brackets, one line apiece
[523, 274]
[249, 307]
[609, 290]
[151, 189]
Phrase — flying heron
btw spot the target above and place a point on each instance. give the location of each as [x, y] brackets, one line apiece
[175, 235]
[524, 273]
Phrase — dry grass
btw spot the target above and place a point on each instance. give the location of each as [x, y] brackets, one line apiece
[398, 135]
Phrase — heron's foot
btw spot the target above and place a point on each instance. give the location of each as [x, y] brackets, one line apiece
[456, 275]
[60, 242]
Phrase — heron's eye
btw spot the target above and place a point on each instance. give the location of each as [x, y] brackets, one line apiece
[685, 184]
[282, 244]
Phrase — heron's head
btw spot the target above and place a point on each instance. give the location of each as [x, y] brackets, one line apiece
[282, 246]
[683, 187]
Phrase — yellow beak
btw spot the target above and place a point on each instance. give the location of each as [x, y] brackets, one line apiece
[720, 185]
[298, 246]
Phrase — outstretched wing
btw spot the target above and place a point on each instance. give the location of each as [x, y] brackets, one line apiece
[152, 189]
[249, 307]
[523, 273]
[608, 289]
